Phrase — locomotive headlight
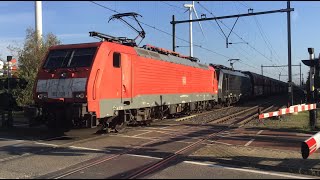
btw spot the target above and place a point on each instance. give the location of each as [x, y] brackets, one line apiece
[42, 96]
[80, 95]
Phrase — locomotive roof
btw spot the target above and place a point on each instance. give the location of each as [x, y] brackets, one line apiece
[233, 72]
[141, 51]
[260, 77]
[81, 45]
[169, 58]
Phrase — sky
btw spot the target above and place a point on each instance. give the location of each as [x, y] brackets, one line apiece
[257, 40]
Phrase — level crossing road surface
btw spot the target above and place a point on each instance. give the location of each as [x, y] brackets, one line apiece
[237, 153]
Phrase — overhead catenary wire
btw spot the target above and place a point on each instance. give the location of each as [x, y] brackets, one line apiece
[239, 36]
[264, 37]
[182, 9]
[261, 29]
[153, 27]
[242, 38]
[222, 35]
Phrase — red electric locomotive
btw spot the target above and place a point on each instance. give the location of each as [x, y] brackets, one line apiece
[114, 82]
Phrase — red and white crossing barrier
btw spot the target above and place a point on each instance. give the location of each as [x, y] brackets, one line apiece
[310, 145]
[291, 109]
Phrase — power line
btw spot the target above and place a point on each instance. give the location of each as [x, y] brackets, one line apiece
[267, 42]
[170, 34]
[242, 3]
[215, 20]
[172, 5]
[162, 31]
[243, 39]
[261, 29]
[212, 51]
[263, 35]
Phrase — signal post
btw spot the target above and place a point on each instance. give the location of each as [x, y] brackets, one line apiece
[314, 85]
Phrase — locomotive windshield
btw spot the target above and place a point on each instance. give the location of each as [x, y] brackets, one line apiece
[69, 58]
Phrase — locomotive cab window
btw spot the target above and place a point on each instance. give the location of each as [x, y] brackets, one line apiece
[116, 60]
[65, 58]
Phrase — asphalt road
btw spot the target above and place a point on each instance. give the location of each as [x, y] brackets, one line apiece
[25, 157]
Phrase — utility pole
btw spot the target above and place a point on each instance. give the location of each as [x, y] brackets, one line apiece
[190, 27]
[10, 119]
[38, 19]
[9, 58]
[290, 91]
[173, 35]
[300, 75]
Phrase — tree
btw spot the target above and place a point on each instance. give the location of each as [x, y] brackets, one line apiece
[30, 58]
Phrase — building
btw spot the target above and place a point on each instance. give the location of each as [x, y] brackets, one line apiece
[12, 64]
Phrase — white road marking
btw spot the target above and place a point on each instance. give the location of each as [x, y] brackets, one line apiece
[91, 149]
[248, 143]
[47, 144]
[246, 170]
[150, 157]
[141, 134]
[185, 142]
[148, 128]
[133, 137]
[6, 139]
[168, 133]
[219, 143]
[17, 145]
[303, 135]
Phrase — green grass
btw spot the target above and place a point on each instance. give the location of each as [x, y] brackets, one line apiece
[291, 122]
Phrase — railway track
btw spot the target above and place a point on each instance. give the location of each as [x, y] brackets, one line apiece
[51, 147]
[242, 118]
[200, 136]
